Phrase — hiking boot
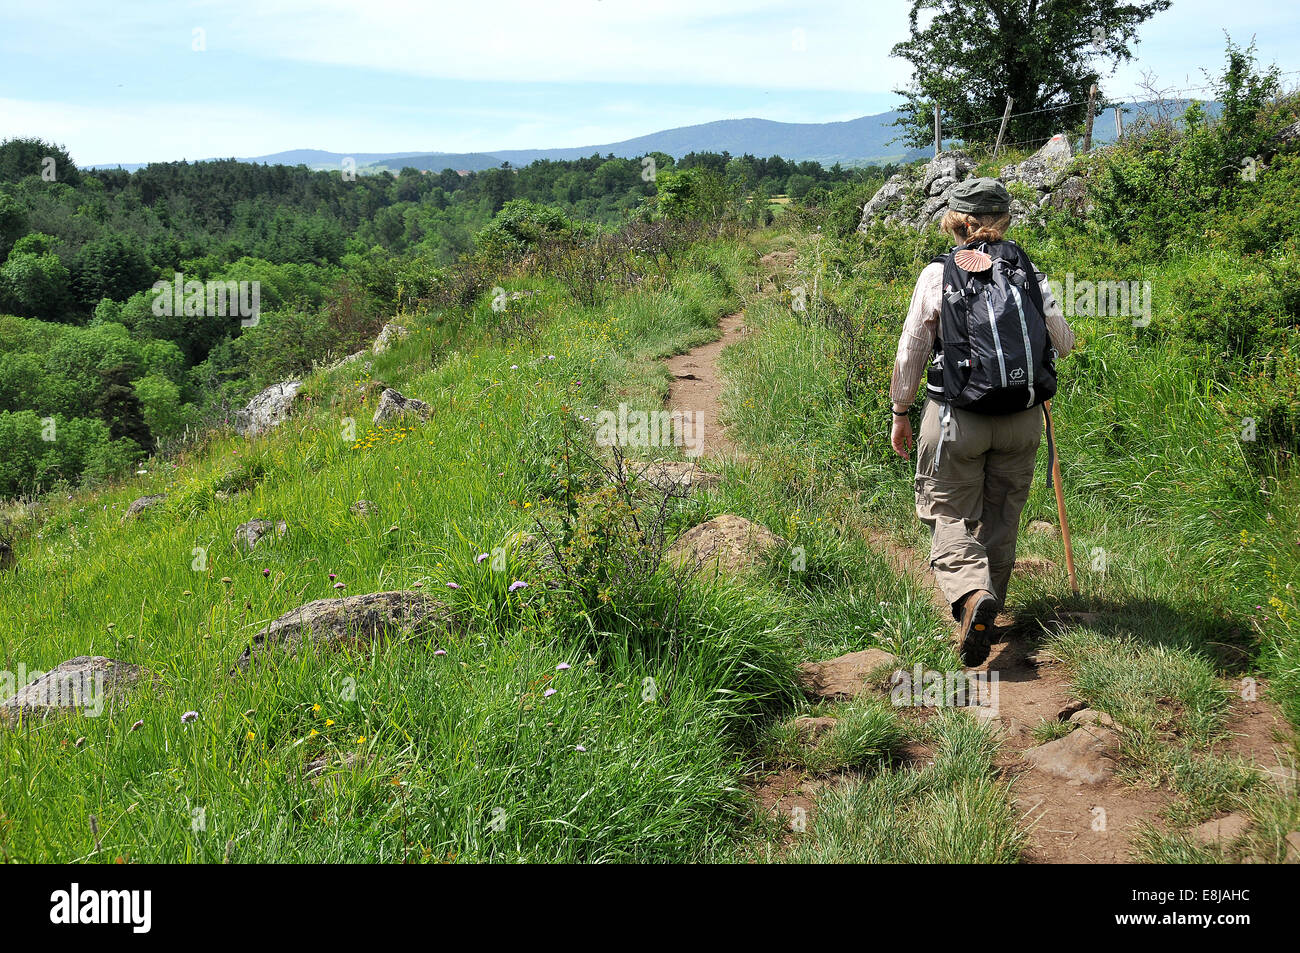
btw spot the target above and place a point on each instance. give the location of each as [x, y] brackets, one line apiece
[976, 629]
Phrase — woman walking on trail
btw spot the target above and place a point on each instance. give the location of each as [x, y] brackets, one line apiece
[984, 320]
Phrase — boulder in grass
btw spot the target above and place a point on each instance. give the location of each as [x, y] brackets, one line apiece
[394, 406]
[247, 535]
[390, 334]
[1222, 830]
[1084, 756]
[731, 544]
[143, 503]
[89, 684]
[362, 618]
[845, 676]
[267, 409]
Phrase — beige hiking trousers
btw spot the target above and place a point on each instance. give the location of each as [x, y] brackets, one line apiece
[972, 500]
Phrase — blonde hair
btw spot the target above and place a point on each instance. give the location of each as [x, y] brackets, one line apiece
[965, 227]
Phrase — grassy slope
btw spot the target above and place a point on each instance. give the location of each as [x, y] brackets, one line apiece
[462, 755]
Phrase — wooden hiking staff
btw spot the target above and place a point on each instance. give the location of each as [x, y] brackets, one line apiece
[1060, 497]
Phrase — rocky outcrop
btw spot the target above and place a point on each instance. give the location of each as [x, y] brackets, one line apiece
[390, 334]
[89, 684]
[918, 197]
[730, 544]
[143, 503]
[845, 676]
[267, 409]
[393, 406]
[363, 618]
[247, 535]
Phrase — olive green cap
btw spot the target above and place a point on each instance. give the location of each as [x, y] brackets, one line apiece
[979, 197]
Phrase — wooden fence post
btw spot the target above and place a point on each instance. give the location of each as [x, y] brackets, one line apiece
[1092, 109]
[1002, 129]
[1119, 124]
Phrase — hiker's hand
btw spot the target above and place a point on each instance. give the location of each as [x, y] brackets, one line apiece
[900, 437]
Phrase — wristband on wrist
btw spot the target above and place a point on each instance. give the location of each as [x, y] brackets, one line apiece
[899, 413]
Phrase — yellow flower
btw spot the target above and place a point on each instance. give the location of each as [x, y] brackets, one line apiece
[316, 707]
[313, 733]
[328, 722]
[251, 736]
[361, 740]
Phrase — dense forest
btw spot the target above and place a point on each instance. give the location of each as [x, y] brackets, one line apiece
[95, 374]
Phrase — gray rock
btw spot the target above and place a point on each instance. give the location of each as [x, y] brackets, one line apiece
[887, 198]
[393, 406]
[88, 683]
[1071, 196]
[1046, 168]
[731, 544]
[373, 615]
[952, 166]
[267, 409]
[247, 535]
[844, 676]
[7, 558]
[390, 334]
[1084, 756]
[143, 503]
[364, 508]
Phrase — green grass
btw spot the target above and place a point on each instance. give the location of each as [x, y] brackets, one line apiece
[459, 756]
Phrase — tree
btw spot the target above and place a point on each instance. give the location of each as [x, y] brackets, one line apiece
[970, 55]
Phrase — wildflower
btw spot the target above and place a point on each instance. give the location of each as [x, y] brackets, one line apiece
[562, 667]
[517, 585]
[328, 722]
[316, 707]
[339, 585]
[189, 716]
[333, 577]
[548, 693]
[480, 557]
[440, 652]
[313, 733]
[453, 585]
[139, 724]
[361, 740]
[266, 573]
[251, 735]
[579, 748]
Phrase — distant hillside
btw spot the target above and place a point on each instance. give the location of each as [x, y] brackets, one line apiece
[862, 141]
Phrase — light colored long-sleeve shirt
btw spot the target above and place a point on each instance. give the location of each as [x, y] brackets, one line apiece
[922, 325]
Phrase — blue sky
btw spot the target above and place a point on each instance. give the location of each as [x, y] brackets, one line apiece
[122, 80]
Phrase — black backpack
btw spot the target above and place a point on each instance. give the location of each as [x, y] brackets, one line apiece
[992, 354]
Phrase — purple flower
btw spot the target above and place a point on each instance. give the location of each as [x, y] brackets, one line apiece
[514, 367]
[579, 748]
[548, 693]
[333, 577]
[440, 652]
[189, 716]
[266, 573]
[140, 724]
[453, 585]
[480, 557]
[517, 585]
[339, 585]
[562, 667]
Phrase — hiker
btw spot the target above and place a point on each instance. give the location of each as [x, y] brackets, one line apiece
[985, 320]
